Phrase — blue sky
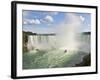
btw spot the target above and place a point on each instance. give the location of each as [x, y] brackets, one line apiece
[47, 21]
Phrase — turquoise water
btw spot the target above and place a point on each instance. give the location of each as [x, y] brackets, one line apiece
[51, 59]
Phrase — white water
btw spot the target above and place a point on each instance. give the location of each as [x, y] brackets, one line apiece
[41, 42]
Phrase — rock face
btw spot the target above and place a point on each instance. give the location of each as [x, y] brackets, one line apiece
[86, 61]
[85, 42]
[25, 40]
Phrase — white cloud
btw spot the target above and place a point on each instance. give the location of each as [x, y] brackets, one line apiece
[31, 21]
[37, 21]
[82, 18]
[48, 19]
[24, 22]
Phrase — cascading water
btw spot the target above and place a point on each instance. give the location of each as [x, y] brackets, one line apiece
[30, 43]
[41, 42]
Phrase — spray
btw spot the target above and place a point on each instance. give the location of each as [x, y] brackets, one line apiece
[68, 32]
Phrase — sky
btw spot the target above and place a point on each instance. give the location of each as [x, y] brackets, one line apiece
[47, 21]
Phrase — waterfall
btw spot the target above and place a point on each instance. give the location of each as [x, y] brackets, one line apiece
[31, 42]
[41, 42]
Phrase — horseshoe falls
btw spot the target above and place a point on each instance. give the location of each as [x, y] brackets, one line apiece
[66, 48]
